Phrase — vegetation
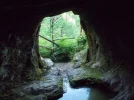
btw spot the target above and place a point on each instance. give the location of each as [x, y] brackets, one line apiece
[61, 36]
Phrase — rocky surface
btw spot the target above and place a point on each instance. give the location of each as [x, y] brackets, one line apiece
[79, 58]
[84, 77]
[48, 62]
[122, 83]
[49, 87]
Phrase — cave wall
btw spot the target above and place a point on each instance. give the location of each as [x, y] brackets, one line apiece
[109, 29]
[19, 57]
[108, 26]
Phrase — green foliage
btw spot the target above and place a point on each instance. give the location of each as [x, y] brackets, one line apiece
[65, 51]
[45, 52]
[81, 43]
[66, 25]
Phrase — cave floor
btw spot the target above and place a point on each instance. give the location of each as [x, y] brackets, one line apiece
[50, 86]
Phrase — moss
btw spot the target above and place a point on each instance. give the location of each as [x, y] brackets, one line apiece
[60, 83]
[34, 74]
[90, 77]
[38, 71]
[55, 95]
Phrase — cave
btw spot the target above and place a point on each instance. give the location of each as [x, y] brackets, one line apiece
[108, 26]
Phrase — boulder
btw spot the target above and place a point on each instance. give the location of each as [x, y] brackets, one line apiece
[77, 64]
[79, 58]
[95, 65]
[50, 86]
[47, 61]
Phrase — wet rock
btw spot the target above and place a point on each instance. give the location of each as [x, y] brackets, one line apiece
[48, 62]
[95, 65]
[49, 86]
[3, 73]
[77, 64]
[84, 77]
[121, 82]
[79, 58]
[55, 71]
[31, 97]
[88, 64]
[76, 75]
[126, 94]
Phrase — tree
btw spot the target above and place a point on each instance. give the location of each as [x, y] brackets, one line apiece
[59, 28]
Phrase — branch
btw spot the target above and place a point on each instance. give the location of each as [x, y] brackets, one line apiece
[49, 40]
[63, 39]
[45, 47]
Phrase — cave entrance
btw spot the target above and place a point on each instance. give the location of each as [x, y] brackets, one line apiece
[62, 39]
[61, 36]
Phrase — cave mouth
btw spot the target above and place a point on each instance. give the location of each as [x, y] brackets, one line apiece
[113, 21]
[63, 39]
[61, 36]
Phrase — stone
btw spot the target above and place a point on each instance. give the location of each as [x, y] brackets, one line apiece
[38, 97]
[47, 61]
[75, 75]
[88, 64]
[80, 56]
[49, 86]
[77, 64]
[95, 65]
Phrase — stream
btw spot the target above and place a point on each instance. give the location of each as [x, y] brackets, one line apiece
[82, 93]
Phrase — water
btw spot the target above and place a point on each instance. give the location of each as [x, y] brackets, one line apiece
[83, 93]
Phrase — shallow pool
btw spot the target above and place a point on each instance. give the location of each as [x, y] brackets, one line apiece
[83, 93]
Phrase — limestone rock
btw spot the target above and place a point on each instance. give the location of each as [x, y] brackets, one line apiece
[49, 86]
[77, 64]
[95, 65]
[48, 62]
[79, 58]
[38, 97]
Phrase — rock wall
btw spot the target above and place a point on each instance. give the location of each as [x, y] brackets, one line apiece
[109, 31]
[108, 26]
[19, 48]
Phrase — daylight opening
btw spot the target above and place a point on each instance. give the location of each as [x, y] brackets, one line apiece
[61, 37]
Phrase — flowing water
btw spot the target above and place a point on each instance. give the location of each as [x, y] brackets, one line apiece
[83, 93]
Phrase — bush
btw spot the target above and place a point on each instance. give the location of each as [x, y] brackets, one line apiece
[81, 43]
[65, 50]
[43, 51]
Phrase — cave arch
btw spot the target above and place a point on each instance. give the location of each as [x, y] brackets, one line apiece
[112, 22]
